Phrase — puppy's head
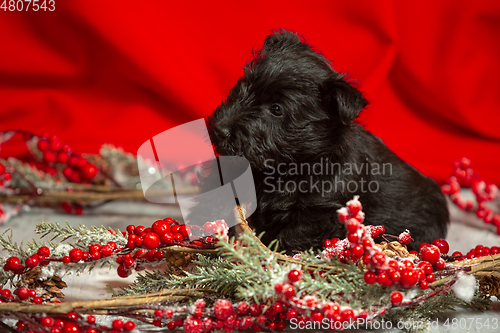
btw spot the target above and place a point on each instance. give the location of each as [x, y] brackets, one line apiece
[287, 101]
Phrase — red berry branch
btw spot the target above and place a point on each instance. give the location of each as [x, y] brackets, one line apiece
[464, 176]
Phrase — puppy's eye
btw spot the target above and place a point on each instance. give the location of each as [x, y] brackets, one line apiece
[276, 110]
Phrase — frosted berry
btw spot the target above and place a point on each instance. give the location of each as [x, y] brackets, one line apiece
[404, 238]
[193, 325]
[354, 206]
[223, 309]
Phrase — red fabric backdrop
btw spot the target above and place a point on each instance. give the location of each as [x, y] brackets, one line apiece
[94, 72]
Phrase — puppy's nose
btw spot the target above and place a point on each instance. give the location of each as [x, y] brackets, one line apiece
[222, 133]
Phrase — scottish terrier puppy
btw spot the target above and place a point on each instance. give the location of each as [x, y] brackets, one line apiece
[292, 117]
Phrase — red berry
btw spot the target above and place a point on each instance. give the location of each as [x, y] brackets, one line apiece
[90, 319]
[185, 231]
[354, 207]
[440, 264]
[430, 253]
[49, 156]
[278, 288]
[106, 250]
[327, 243]
[255, 309]
[129, 326]
[430, 278]
[442, 245]
[76, 177]
[223, 309]
[160, 227]
[288, 291]
[409, 278]
[294, 276]
[277, 307]
[37, 300]
[422, 245]
[31, 261]
[44, 251]
[89, 171]
[66, 259]
[424, 285]
[75, 255]
[47, 322]
[347, 314]
[117, 324]
[151, 240]
[370, 277]
[12, 263]
[404, 238]
[175, 228]
[382, 278]
[316, 316]
[70, 327]
[130, 228]
[23, 293]
[42, 145]
[352, 225]
[353, 237]
[378, 259]
[139, 229]
[128, 263]
[396, 298]
[122, 271]
[357, 251]
[62, 158]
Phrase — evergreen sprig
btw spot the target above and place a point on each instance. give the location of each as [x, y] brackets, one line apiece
[82, 235]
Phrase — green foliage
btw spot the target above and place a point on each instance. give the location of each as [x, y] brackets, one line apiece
[82, 235]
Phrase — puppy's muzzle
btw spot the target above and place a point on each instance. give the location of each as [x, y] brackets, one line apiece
[221, 132]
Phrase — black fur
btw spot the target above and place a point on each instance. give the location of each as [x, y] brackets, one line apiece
[292, 107]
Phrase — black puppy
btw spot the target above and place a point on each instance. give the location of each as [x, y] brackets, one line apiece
[291, 115]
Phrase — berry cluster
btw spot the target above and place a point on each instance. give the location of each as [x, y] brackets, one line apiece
[75, 168]
[5, 176]
[73, 322]
[226, 316]
[143, 245]
[22, 294]
[162, 233]
[478, 251]
[359, 244]
[464, 176]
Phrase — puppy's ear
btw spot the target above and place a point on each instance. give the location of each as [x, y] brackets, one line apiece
[343, 99]
[282, 39]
